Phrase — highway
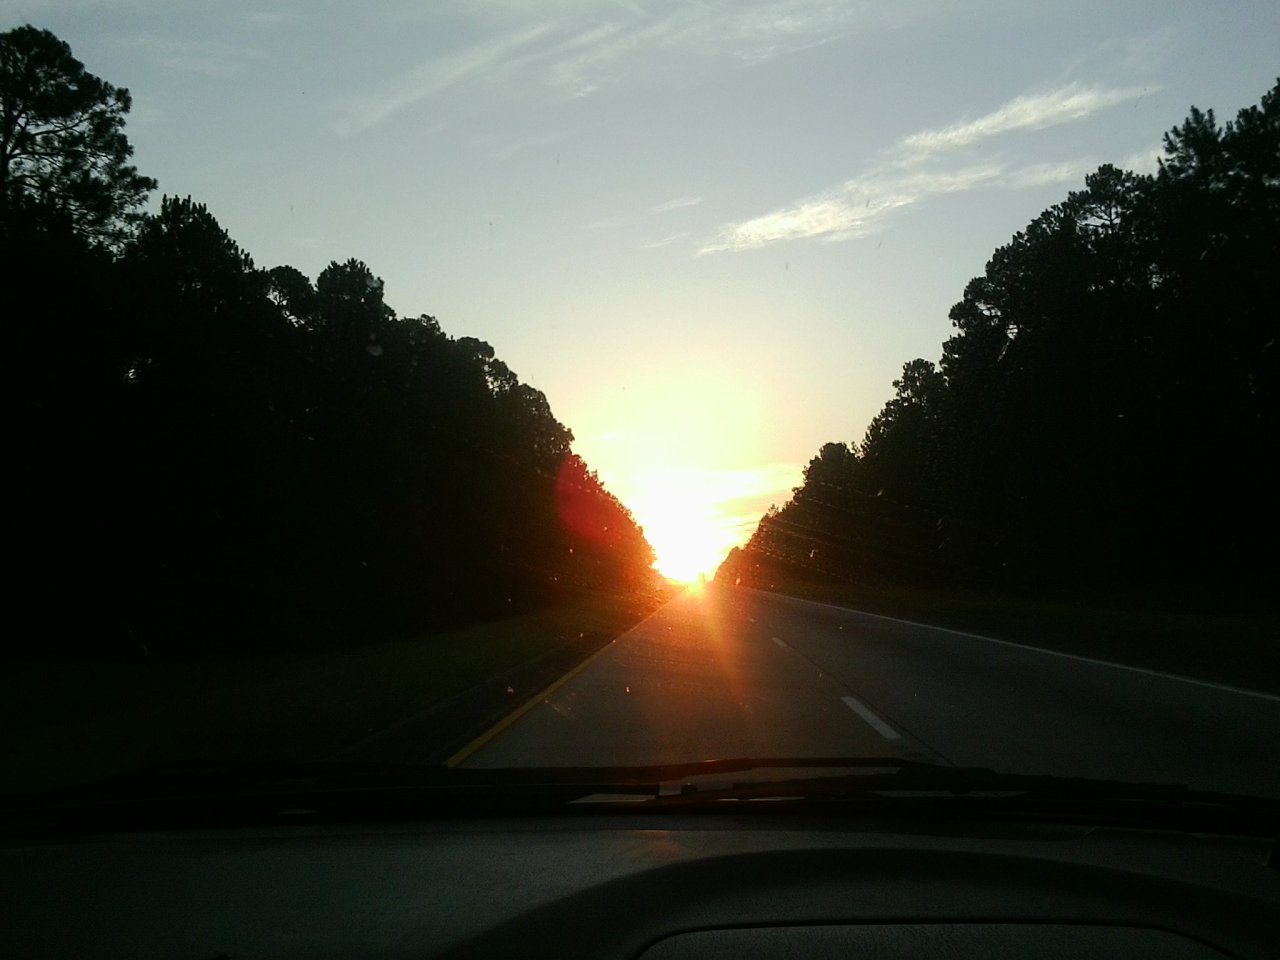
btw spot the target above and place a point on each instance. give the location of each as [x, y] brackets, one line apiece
[739, 673]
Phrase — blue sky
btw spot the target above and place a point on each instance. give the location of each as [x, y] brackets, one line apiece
[711, 232]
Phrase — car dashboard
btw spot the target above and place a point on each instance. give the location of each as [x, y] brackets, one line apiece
[663, 885]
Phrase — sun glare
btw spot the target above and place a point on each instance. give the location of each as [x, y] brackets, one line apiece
[684, 524]
[683, 449]
[685, 551]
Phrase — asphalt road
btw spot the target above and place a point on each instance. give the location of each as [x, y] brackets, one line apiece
[734, 673]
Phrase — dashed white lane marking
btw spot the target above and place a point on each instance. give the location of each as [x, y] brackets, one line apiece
[876, 724]
[860, 708]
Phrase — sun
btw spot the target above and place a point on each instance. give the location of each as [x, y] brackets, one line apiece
[684, 524]
[685, 551]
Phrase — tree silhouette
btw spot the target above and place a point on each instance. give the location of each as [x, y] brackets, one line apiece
[1104, 416]
[214, 457]
[63, 152]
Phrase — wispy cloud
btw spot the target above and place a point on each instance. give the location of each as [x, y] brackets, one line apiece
[1034, 111]
[1143, 161]
[1144, 55]
[855, 209]
[580, 66]
[1044, 174]
[665, 241]
[773, 30]
[590, 46]
[576, 48]
[765, 480]
[430, 78]
[749, 492]
[909, 171]
[679, 203]
[745, 31]
[731, 492]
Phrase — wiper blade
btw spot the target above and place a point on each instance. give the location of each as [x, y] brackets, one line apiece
[665, 773]
[705, 778]
[825, 784]
[904, 786]
[879, 774]
[338, 775]
[865, 775]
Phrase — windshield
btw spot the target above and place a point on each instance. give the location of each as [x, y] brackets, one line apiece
[585, 385]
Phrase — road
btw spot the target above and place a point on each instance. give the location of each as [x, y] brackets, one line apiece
[732, 673]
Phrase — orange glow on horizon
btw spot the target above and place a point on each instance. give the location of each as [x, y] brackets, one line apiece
[687, 447]
[684, 522]
[685, 551]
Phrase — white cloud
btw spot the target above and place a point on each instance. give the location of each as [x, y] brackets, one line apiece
[766, 32]
[1143, 161]
[679, 203]
[1034, 111]
[1044, 174]
[907, 172]
[595, 53]
[430, 78]
[764, 480]
[856, 209]
[578, 48]
[747, 31]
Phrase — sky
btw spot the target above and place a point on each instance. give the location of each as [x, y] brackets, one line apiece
[711, 232]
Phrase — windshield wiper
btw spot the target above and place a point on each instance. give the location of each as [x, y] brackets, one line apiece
[336, 777]
[905, 787]
[900, 786]
[825, 785]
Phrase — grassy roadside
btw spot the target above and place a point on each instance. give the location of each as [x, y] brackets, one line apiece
[73, 722]
[1241, 651]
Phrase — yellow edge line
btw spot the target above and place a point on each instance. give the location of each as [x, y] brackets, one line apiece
[521, 710]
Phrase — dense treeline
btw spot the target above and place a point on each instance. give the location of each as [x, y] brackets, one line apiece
[205, 454]
[1105, 415]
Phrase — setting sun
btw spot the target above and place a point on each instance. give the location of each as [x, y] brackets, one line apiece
[682, 520]
[687, 546]
[681, 447]
[693, 517]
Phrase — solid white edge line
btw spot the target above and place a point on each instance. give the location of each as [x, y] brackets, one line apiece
[1026, 646]
[876, 724]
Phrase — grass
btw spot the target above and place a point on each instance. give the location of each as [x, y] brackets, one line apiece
[75, 722]
[1238, 650]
